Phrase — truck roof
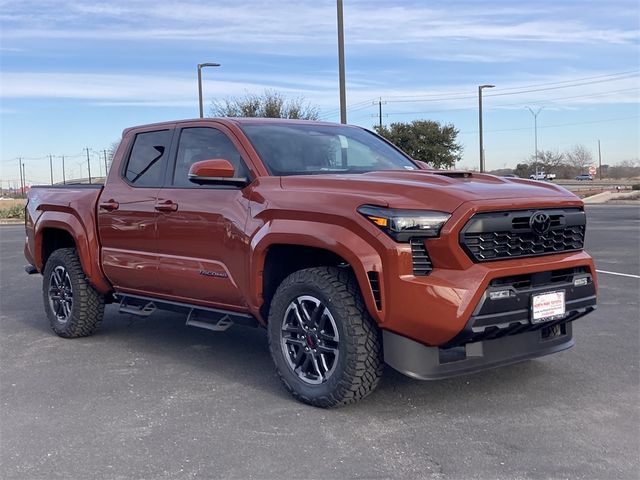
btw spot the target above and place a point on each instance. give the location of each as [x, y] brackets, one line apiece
[229, 120]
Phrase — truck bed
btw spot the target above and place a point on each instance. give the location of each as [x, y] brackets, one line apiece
[71, 207]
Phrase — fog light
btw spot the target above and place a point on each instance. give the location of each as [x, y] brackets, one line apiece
[580, 282]
[500, 294]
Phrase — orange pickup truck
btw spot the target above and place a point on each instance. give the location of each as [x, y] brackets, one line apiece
[347, 251]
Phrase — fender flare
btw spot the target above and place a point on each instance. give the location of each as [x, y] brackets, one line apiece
[86, 242]
[360, 254]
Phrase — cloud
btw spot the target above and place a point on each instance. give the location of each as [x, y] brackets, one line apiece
[165, 90]
[294, 28]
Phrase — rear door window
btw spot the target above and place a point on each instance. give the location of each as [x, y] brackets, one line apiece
[148, 159]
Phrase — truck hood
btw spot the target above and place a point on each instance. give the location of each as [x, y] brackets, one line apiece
[442, 190]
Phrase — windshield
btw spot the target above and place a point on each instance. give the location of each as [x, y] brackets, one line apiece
[305, 149]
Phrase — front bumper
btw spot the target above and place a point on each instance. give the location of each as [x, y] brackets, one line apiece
[442, 309]
[500, 329]
[432, 363]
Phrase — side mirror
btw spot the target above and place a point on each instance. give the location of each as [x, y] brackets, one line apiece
[217, 171]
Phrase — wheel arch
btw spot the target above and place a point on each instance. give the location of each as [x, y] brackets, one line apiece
[55, 230]
[278, 252]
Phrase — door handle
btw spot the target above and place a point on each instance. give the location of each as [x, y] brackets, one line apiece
[109, 205]
[166, 206]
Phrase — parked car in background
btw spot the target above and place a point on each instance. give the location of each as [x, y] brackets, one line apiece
[584, 177]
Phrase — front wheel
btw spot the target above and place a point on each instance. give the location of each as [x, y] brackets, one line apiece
[73, 306]
[326, 347]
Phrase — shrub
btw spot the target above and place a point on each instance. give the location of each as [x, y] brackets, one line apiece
[635, 186]
[15, 211]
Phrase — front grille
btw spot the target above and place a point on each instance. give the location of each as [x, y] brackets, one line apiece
[420, 257]
[504, 235]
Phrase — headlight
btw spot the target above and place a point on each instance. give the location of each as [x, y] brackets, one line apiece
[401, 225]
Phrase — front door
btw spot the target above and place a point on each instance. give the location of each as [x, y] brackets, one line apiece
[202, 247]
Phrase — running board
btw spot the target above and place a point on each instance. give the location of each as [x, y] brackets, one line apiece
[195, 319]
[141, 310]
[214, 319]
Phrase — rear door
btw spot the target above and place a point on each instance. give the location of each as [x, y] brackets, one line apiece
[202, 246]
[127, 213]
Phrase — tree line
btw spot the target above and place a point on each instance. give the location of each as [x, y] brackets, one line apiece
[573, 162]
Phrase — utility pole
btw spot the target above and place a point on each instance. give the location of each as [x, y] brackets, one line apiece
[480, 88]
[380, 102]
[105, 165]
[88, 164]
[64, 177]
[21, 170]
[24, 181]
[343, 93]
[379, 114]
[599, 161]
[51, 167]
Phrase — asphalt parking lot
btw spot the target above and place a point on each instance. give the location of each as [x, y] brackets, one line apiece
[151, 398]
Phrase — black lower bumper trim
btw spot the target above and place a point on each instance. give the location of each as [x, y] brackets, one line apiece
[432, 363]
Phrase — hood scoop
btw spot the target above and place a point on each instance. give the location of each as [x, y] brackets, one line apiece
[453, 174]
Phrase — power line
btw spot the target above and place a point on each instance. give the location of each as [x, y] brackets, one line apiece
[471, 132]
[629, 73]
[494, 106]
[563, 86]
[466, 95]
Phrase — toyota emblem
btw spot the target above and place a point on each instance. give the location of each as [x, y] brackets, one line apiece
[540, 223]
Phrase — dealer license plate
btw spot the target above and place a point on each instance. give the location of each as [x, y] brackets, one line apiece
[547, 307]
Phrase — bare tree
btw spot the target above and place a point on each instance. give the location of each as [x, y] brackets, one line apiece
[624, 169]
[579, 158]
[547, 161]
[270, 104]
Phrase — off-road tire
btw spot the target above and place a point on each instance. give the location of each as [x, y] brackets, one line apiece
[359, 365]
[87, 308]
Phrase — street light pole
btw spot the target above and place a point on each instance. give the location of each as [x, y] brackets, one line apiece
[343, 92]
[200, 67]
[535, 130]
[480, 88]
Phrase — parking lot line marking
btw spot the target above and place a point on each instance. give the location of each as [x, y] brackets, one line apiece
[620, 274]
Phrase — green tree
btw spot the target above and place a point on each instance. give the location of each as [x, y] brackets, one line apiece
[425, 140]
[270, 104]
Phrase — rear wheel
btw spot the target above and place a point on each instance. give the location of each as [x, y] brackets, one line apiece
[73, 306]
[326, 347]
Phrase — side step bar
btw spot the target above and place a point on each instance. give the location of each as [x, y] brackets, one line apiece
[214, 319]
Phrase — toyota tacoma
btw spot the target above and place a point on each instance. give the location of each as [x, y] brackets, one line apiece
[347, 251]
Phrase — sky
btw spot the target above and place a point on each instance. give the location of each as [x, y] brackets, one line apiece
[74, 74]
